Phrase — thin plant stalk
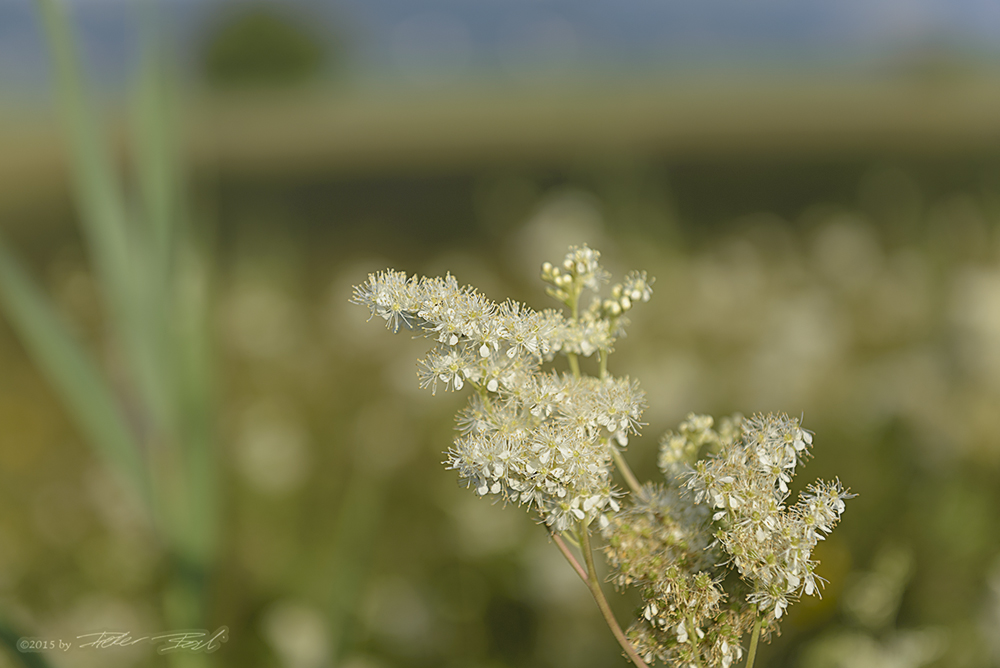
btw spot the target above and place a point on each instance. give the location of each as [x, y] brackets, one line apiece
[758, 622]
[626, 471]
[691, 625]
[574, 364]
[561, 544]
[595, 588]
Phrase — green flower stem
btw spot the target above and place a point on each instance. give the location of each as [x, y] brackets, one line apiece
[574, 300]
[595, 588]
[574, 364]
[692, 630]
[574, 307]
[561, 544]
[626, 471]
[753, 641]
[481, 390]
[602, 356]
[570, 540]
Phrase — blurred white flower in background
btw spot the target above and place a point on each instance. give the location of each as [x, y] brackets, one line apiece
[298, 634]
[260, 321]
[975, 314]
[272, 447]
[561, 218]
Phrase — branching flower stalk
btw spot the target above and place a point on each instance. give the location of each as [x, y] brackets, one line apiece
[550, 441]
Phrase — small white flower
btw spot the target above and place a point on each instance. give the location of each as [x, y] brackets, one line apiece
[779, 607]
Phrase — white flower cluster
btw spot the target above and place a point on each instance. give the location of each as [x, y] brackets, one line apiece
[602, 322]
[664, 544]
[548, 443]
[675, 551]
[746, 483]
[473, 328]
[537, 438]
[636, 287]
[581, 269]
[680, 449]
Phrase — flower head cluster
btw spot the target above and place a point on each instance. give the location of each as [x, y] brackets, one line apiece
[636, 287]
[538, 438]
[547, 443]
[664, 545]
[746, 484]
[679, 450]
[603, 320]
[580, 269]
[738, 475]
[550, 441]
[474, 328]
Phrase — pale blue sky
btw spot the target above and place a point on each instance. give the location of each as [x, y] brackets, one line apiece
[391, 39]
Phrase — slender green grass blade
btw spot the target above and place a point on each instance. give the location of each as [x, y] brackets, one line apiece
[193, 364]
[102, 205]
[71, 372]
[130, 275]
[175, 321]
[157, 174]
[154, 139]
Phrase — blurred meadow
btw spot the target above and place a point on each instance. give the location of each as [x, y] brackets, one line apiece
[198, 429]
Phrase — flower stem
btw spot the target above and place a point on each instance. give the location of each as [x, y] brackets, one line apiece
[561, 544]
[626, 471]
[595, 588]
[574, 364]
[753, 641]
[692, 630]
[602, 356]
[574, 307]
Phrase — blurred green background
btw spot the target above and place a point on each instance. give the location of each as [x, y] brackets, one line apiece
[197, 429]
